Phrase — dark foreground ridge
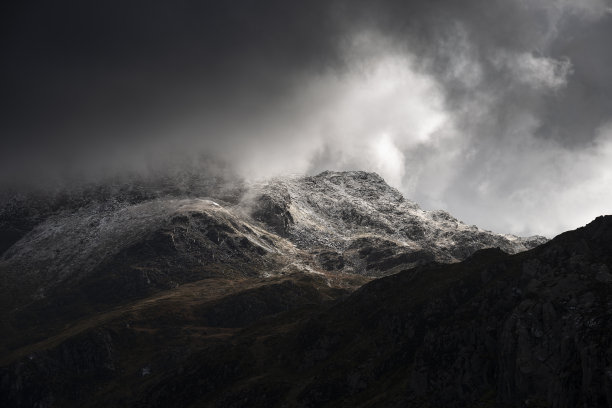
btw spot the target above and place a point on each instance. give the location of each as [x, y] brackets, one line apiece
[268, 298]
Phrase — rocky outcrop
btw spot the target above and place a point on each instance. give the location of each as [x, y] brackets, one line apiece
[272, 209]
[342, 211]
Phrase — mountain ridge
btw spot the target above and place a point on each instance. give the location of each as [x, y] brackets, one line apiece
[335, 210]
[267, 295]
[348, 222]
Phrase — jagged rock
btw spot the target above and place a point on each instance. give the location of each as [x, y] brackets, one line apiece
[340, 210]
[272, 209]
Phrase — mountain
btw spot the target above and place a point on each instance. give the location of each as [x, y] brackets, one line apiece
[362, 225]
[93, 249]
[245, 294]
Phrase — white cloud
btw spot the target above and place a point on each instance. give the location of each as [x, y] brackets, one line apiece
[536, 71]
[530, 185]
[387, 160]
[364, 118]
[385, 114]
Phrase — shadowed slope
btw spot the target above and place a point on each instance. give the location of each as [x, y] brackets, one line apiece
[525, 330]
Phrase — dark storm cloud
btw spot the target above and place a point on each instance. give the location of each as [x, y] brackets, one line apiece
[93, 73]
[479, 107]
[577, 32]
[72, 64]
[527, 85]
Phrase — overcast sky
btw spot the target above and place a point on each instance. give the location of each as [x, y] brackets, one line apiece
[499, 111]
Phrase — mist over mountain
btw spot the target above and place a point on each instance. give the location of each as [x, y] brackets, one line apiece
[497, 111]
[322, 203]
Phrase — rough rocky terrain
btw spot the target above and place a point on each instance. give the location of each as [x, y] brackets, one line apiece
[269, 296]
[127, 245]
[362, 225]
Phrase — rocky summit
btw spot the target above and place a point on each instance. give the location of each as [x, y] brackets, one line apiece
[303, 291]
[362, 225]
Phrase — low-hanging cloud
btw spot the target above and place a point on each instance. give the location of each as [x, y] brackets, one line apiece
[498, 111]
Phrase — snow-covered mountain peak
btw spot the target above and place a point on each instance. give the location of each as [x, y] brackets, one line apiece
[333, 210]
